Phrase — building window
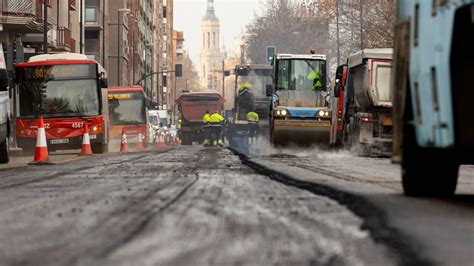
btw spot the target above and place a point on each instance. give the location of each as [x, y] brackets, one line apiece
[214, 39]
[164, 12]
[208, 40]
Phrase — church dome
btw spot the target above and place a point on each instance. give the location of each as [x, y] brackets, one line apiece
[210, 14]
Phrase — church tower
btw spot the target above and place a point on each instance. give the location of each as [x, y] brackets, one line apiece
[211, 54]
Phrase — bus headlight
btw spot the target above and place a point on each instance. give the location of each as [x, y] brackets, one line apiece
[284, 112]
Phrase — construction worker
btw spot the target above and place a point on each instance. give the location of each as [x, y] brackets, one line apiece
[245, 99]
[253, 120]
[215, 123]
[179, 126]
[315, 77]
[207, 129]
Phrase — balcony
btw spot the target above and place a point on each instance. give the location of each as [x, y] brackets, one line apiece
[72, 4]
[40, 17]
[19, 14]
[64, 40]
[93, 18]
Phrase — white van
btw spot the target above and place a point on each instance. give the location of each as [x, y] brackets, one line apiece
[4, 110]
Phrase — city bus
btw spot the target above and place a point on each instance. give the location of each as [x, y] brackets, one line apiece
[69, 91]
[128, 108]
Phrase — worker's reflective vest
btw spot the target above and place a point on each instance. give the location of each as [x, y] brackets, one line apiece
[180, 124]
[253, 118]
[316, 77]
[216, 119]
[205, 119]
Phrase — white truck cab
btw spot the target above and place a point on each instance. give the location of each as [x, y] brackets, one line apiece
[4, 110]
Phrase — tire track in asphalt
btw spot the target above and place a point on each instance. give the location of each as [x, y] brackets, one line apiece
[374, 219]
[233, 216]
[120, 225]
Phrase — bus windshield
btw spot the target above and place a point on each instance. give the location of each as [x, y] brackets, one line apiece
[127, 108]
[259, 78]
[301, 74]
[57, 91]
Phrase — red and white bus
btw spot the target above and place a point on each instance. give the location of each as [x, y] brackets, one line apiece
[69, 91]
[128, 109]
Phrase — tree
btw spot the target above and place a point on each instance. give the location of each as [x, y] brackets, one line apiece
[296, 27]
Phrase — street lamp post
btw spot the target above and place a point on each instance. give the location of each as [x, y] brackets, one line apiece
[119, 48]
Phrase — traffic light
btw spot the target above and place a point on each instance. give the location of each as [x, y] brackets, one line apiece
[178, 70]
[270, 53]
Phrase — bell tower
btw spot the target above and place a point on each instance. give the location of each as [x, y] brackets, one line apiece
[211, 54]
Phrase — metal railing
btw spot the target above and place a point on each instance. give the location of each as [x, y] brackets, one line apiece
[65, 40]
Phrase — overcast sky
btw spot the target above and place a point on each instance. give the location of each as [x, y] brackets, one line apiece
[233, 16]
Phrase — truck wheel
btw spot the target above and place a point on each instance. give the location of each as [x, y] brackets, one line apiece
[99, 148]
[186, 139]
[426, 172]
[4, 152]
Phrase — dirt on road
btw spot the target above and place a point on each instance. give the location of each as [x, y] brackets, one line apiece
[184, 206]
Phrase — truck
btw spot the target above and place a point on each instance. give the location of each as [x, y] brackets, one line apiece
[337, 106]
[4, 110]
[299, 111]
[367, 122]
[433, 94]
[192, 107]
[69, 91]
[260, 77]
[128, 110]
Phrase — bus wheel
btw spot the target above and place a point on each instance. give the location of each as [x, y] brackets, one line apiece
[99, 148]
[4, 152]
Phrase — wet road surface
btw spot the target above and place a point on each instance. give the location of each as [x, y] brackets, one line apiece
[177, 206]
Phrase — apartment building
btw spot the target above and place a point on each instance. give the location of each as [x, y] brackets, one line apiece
[22, 28]
[96, 30]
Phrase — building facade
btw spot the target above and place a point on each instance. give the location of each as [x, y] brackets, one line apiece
[22, 28]
[212, 56]
[96, 30]
[167, 58]
[130, 38]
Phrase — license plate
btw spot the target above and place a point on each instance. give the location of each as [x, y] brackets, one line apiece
[93, 137]
[387, 121]
[59, 141]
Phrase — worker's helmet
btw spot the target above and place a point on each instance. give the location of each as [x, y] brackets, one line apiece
[245, 87]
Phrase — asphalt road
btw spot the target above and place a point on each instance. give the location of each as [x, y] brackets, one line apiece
[208, 206]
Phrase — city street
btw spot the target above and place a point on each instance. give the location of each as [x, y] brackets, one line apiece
[208, 206]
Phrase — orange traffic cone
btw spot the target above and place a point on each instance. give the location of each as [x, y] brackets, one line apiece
[86, 149]
[41, 150]
[159, 142]
[156, 140]
[140, 145]
[123, 143]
